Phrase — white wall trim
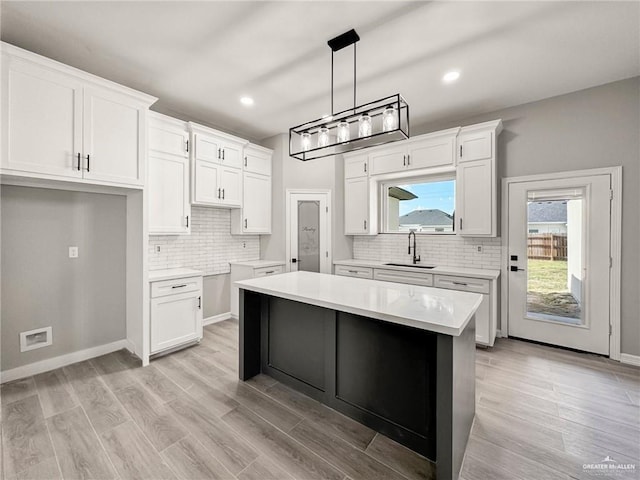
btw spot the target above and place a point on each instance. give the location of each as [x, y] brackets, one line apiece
[630, 359]
[62, 361]
[615, 247]
[221, 317]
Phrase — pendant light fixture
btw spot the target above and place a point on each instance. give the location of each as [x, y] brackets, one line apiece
[374, 123]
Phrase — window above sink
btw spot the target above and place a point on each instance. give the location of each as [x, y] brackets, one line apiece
[423, 204]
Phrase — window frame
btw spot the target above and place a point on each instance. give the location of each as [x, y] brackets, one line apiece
[383, 186]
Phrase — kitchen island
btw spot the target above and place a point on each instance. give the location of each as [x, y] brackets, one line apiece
[397, 358]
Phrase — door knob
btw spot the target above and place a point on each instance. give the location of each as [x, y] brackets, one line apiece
[514, 268]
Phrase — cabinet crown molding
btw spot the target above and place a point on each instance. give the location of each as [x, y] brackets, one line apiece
[13, 52]
[196, 128]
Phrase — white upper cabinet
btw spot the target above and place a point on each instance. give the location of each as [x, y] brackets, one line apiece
[388, 160]
[356, 166]
[475, 145]
[357, 213]
[168, 182]
[216, 168]
[433, 150]
[255, 215]
[61, 123]
[476, 180]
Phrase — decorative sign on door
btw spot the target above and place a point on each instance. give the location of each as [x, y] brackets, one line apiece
[309, 235]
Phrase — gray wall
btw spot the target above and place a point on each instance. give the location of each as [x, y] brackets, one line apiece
[216, 296]
[290, 173]
[83, 299]
[597, 127]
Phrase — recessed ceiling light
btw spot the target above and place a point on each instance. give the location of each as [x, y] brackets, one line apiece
[246, 101]
[451, 76]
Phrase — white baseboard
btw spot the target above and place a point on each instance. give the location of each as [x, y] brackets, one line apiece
[216, 318]
[62, 361]
[630, 359]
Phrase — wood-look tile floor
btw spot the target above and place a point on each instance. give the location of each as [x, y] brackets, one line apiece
[542, 413]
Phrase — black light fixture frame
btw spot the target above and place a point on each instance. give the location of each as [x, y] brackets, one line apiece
[374, 109]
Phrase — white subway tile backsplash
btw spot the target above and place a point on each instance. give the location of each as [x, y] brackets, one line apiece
[445, 250]
[209, 248]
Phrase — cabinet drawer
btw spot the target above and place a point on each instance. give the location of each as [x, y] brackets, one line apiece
[412, 278]
[175, 286]
[264, 271]
[347, 271]
[465, 284]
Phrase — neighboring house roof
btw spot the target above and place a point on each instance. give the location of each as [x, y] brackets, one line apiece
[548, 212]
[426, 217]
[401, 193]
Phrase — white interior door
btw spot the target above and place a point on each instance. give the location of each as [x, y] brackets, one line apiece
[309, 232]
[559, 254]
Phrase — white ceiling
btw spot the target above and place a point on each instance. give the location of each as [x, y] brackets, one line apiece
[200, 57]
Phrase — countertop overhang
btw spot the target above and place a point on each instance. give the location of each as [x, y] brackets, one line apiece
[438, 310]
[173, 273]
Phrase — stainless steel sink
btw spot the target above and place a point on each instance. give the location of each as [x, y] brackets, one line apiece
[409, 265]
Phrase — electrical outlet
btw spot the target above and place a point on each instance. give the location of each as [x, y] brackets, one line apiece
[479, 249]
[73, 252]
[38, 338]
[157, 248]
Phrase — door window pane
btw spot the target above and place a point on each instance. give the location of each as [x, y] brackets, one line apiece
[309, 235]
[555, 246]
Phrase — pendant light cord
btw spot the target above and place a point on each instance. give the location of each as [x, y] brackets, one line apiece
[354, 78]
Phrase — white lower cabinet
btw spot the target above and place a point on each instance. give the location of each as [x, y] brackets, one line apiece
[486, 315]
[176, 312]
[247, 270]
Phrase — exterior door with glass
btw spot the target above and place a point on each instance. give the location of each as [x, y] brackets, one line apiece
[308, 220]
[559, 261]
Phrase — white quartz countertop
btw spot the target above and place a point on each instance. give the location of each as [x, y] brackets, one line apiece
[433, 309]
[172, 273]
[460, 271]
[259, 263]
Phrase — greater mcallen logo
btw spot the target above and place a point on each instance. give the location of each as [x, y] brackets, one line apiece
[608, 466]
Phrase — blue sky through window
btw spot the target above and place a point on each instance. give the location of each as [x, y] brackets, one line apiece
[431, 195]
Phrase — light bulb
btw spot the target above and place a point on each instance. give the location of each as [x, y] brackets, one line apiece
[323, 137]
[364, 126]
[343, 132]
[389, 119]
[305, 139]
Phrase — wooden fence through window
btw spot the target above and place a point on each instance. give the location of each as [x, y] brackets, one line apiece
[547, 246]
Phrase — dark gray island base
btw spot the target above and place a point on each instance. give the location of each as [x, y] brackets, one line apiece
[412, 385]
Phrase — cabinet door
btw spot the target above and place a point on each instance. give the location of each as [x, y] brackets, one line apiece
[256, 206]
[356, 206]
[474, 194]
[388, 160]
[434, 152]
[207, 148]
[475, 146]
[113, 151]
[357, 166]
[41, 120]
[257, 162]
[206, 186]
[168, 186]
[231, 155]
[231, 184]
[168, 139]
[175, 319]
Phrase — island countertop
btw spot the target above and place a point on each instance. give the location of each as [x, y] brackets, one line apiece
[437, 310]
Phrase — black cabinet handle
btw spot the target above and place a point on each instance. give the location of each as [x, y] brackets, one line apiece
[269, 272]
[460, 223]
[219, 193]
[180, 286]
[245, 161]
[223, 153]
[404, 160]
[365, 167]
[187, 221]
[365, 224]
[78, 161]
[223, 192]
[200, 303]
[88, 163]
[187, 146]
[460, 151]
[245, 223]
[408, 159]
[460, 283]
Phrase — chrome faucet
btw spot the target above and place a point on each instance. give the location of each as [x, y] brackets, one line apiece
[415, 259]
